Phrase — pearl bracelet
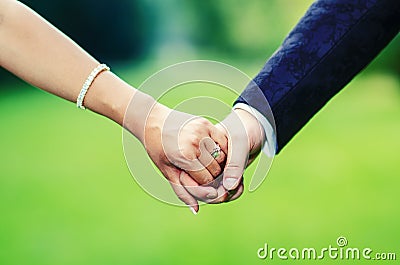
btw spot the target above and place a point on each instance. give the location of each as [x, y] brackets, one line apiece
[100, 68]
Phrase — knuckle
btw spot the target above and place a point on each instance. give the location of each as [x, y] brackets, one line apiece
[204, 180]
[215, 171]
[203, 121]
[194, 139]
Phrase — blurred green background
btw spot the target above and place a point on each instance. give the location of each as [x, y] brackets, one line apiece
[66, 194]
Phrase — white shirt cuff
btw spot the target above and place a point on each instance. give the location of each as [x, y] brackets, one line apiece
[269, 146]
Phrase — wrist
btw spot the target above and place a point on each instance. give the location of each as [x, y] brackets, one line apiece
[254, 130]
[143, 115]
[113, 98]
[109, 96]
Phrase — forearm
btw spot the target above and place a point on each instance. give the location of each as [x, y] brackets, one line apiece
[37, 52]
[333, 42]
[40, 54]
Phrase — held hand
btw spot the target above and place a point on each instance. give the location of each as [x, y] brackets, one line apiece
[245, 137]
[181, 144]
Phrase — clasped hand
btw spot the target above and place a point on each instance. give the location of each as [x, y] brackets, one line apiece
[202, 161]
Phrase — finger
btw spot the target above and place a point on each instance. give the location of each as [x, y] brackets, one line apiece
[184, 196]
[203, 193]
[219, 135]
[236, 162]
[172, 174]
[239, 192]
[221, 159]
[202, 176]
[238, 151]
[195, 169]
[207, 147]
[222, 196]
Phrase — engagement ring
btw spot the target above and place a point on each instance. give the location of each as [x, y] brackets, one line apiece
[215, 152]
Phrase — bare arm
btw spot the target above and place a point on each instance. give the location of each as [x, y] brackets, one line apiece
[40, 54]
[37, 52]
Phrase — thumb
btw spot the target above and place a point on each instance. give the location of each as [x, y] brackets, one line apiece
[236, 162]
[238, 151]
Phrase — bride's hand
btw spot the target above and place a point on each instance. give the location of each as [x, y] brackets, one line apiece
[180, 143]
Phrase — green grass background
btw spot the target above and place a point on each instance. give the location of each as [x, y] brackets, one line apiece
[67, 197]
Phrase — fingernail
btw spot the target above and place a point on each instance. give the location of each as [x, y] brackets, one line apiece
[192, 210]
[230, 183]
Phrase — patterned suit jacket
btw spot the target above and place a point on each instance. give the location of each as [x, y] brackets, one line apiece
[333, 42]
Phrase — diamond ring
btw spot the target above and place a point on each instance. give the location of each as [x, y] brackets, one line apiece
[215, 151]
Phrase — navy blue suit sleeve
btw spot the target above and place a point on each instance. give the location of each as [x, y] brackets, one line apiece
[333, 42]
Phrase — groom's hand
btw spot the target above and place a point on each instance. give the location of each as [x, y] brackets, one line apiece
[245, 138]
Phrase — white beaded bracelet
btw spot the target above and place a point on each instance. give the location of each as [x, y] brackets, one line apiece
[100, 68]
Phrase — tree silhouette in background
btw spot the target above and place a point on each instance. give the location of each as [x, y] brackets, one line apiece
[109, 30]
